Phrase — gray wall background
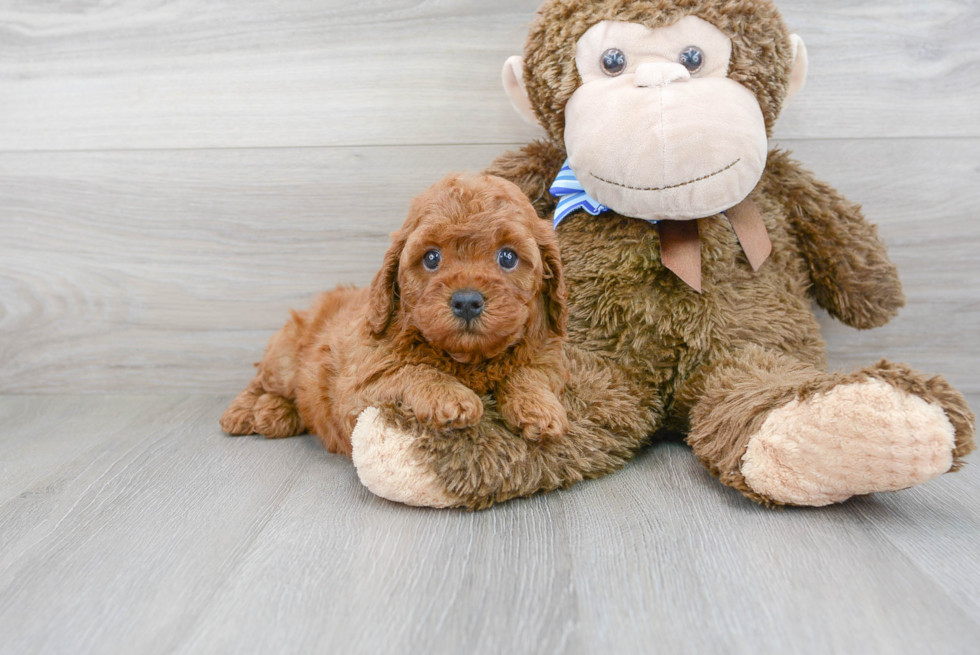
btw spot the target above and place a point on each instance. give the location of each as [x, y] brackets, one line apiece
[175, 175]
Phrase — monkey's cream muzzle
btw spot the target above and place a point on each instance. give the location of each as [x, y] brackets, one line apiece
[657, 142]
[657, 131]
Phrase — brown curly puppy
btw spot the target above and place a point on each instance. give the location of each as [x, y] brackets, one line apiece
[470, 301]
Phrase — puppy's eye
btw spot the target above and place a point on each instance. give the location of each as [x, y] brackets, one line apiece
[613, 62]
[692, 59]
[507, 259]
[431, 259]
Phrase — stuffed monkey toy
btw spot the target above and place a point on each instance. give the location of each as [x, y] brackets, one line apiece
[691, 254]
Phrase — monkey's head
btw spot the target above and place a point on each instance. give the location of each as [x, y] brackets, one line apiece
[664, 106]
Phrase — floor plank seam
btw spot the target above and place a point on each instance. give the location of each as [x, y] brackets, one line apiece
[29, 486]
[239, 558]
[54, 537]
[872, 522]
[774, 140]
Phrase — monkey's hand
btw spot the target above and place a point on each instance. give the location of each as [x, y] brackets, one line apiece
[390, 465]
[853, 279]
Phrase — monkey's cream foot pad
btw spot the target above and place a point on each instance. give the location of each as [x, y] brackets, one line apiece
[855, 439]
[388, 466]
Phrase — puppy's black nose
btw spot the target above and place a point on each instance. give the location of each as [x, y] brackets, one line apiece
[467, 304]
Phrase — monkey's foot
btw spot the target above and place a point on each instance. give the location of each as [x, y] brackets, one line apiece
[854, 439]
[387, 464]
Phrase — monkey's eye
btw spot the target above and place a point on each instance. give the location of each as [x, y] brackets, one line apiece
[692, 59]
[431, 259]
[507, 259]
[613, 62]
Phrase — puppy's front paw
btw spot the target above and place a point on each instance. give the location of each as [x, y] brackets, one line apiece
[536, 418]
[447, 407]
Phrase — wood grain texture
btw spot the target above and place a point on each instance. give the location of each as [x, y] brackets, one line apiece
[118, 267]
[925, 198]
[174, 175]
[168, 271]
[160, 535]
[176, 74]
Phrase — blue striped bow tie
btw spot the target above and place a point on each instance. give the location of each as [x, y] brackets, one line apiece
[571, 196]
[679, 240]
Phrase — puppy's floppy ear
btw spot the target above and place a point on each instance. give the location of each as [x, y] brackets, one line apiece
[384, 287]
[556, 308]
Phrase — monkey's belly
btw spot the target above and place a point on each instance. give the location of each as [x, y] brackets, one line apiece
[627, 307]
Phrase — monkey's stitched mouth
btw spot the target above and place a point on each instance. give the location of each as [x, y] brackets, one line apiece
[672, 186]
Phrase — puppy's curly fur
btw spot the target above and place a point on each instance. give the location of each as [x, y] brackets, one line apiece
[402, 341]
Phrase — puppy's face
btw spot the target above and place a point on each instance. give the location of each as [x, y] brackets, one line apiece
[477, 270]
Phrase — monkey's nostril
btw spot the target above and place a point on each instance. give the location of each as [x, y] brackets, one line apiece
[467, 303]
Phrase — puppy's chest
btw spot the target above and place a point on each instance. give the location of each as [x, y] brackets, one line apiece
[482, 378]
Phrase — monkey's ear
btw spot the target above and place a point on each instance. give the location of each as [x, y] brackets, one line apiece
[513, 77]
[798, 77]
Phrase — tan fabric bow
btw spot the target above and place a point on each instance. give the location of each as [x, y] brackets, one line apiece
[680, 245]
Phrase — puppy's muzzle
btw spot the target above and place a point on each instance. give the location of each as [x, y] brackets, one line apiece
[467, 304]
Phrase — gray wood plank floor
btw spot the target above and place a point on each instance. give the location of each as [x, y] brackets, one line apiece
[132, 525]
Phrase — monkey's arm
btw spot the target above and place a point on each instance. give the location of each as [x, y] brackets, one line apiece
[853, 279]
[400, 459]
[533, 168]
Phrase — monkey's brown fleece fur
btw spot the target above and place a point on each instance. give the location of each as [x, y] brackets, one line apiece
[646, 351]
[400, 342]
